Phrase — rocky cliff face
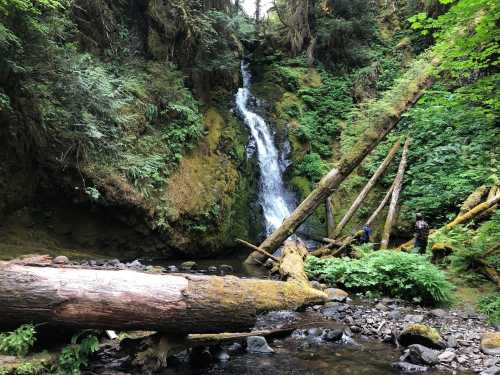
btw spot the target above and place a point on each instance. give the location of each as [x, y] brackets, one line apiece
[121, 112]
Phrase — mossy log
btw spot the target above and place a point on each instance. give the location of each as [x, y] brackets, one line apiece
[130, 300]
[475, 198]
[330, 217]
[377, 130]
[398, 185]
[460, 219]
[381, 206]
[368, 187]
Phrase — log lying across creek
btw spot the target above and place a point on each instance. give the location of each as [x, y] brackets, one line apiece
[131, 300]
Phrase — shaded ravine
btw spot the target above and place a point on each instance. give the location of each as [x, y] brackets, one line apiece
[275, 199]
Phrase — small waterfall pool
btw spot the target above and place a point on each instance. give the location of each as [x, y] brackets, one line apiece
[276, 201]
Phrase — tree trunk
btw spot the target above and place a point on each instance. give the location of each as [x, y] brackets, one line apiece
[129, 300]
[381, 206]
[368, 187]
[330, 218]
[398, 184]
[474, 199]
[379, 127]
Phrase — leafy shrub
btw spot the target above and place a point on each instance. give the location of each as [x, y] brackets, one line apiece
[396, 274]
[312, 166]
[76, 355]
[18, 342]
[490, 306]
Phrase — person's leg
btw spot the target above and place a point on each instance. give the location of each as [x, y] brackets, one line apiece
[423, 247]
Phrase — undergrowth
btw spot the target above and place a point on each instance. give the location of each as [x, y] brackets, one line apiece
[18, 342]
[397, 274]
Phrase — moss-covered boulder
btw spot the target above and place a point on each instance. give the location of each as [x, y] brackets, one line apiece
[490, 343]
[421, 334]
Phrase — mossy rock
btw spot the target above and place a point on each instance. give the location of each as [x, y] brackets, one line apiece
[441, 250]
[490, 343]
[421, 334]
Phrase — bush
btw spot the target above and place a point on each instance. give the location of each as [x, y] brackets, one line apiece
[490, 306]
[18, 342]
[397, 274]
[77, 355]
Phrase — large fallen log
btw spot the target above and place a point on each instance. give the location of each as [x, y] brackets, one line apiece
[368, 187]
[398, 185]
[380, 124]
[130, 300]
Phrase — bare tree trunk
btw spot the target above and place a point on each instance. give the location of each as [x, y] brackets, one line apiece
[380, 206]
[257, 12]
[330, 218]
[129, 300]
[379, 127]
[368, 187]
[398, 184]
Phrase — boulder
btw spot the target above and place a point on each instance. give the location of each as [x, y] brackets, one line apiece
[189, 265]
[490, 343]
[409, 368]
[258, 344]
[421, 355]
[336, 295]
[493, 370]
[447, 356]
[421, 334]
[332, 334]
[226, 268]
[61, 259]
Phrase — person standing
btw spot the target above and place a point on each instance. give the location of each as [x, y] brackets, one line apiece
[421, 234]
[367, 232]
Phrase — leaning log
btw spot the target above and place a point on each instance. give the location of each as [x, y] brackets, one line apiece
[379, 123]
[368, 187]
[330, 217]
[460, 219]
[381, 206]
[130, 300]
[398, 184]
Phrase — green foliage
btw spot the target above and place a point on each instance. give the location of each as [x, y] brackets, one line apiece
[490, 306]
[467, 35]
[472, 247]
[312, 166]
[452, 150]
[18, 342]
[396, 274]
[343, 35]
[77, 355]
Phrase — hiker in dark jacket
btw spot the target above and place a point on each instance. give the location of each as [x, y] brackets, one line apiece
[421, 234]
[367, 232]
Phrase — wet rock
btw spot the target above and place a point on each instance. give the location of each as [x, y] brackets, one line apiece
[314, 332]
[452, 341]
[414, 318]
[315, 284]
[334, 312]
[490, 343]
[421, 355]
[172, 269]
[61, 259]
[212, 269]
[438, 313]
[92, 263]
[381, 307]
[409, 368]
[493, 370]
[356, 329]
[394, 314]
[201, 357]
[114, 262]
[332, 334]
[421, 334]
[220, 354]
[226, 268]
[234, 348]
[336, 295]
[258, 344]
[447, 356]
[188, 266]
[135, 265]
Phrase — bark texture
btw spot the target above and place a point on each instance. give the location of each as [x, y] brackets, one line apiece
[129, 300]
[368, 187]
[398, 185]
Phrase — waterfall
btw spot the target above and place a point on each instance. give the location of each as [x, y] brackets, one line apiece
[275, 199]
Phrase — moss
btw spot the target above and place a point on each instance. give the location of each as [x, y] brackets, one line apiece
[424, 330]
[491, 340]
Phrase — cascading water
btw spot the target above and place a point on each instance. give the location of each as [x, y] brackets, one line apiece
[275, 199]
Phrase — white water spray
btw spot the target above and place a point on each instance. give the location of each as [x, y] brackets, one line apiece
[274, 197]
